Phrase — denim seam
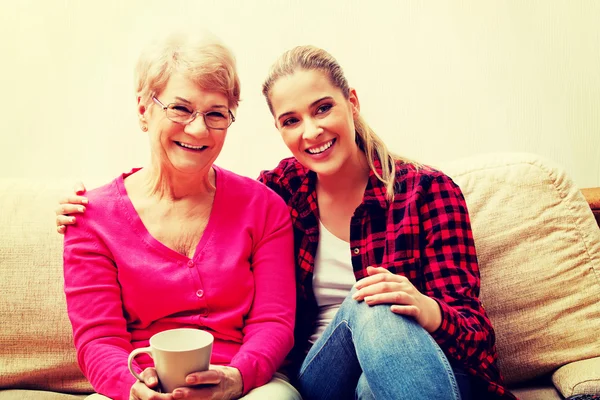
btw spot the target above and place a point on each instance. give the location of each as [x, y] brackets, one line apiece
[448, 367]
[323, 346]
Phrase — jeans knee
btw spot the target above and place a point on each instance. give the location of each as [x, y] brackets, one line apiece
[351, 308]
[378, 324]
[360, 313]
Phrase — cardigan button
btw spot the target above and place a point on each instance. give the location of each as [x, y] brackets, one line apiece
[356, 250]
[190, 263]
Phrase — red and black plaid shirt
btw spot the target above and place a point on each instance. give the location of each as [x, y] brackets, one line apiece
[424, 234]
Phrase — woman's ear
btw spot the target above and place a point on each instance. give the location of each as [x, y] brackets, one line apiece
[353, 99]
[141, 111]
[141, 108]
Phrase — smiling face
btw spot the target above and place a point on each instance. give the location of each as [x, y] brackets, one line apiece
[315, 120]
[176, 147]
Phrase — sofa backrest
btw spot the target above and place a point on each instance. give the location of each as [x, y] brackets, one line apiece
[36, 348]
[538, 247]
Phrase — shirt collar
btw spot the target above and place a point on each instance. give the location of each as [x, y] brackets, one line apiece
[304, 199]
[376, 192]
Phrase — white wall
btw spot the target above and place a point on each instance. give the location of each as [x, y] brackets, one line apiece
[438, 80]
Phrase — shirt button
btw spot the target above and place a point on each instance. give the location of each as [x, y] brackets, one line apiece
[356, 250]
[190, 263]
[200, 293]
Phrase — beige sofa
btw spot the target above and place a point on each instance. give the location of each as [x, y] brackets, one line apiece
[538, 246]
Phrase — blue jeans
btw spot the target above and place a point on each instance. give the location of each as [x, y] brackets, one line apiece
[368, 352]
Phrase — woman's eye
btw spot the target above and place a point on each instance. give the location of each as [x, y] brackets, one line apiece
[216, 115]
[289, 121]
[182, 109]
[324, 108]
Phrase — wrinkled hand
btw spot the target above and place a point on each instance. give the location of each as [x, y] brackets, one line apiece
[146, 390]
[218, 383]
[72, 204]
[384, 287]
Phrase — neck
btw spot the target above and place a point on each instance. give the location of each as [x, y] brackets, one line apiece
[352, 176]
[175, 185]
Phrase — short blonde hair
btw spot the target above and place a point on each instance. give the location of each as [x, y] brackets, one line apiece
[199, 56]
[310, 58]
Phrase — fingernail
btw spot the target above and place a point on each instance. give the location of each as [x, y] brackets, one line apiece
[190, 379]
[151, 381]
[355, 296]
[81, 209]
[72, 219]
[84, 201]
[178, 394]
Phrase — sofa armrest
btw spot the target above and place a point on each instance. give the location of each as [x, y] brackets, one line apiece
[579, 377]
[592, 195]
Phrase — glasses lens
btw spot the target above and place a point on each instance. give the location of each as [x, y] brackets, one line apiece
[179, 113]
[212, 119]
[217, 120]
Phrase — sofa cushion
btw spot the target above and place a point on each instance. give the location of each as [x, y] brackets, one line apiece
[580, 377]
[539, 252]
[37, 395]
[36, 347]
[537, 393]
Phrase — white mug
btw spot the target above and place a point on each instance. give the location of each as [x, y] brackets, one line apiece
[176, 354]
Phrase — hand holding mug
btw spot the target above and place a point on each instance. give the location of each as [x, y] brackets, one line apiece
[148, 388]
[177, 353]
[219, 382]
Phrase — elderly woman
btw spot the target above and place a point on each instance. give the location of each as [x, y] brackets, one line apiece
[182, 243]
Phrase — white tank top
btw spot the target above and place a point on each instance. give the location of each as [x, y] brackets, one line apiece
[333, 277]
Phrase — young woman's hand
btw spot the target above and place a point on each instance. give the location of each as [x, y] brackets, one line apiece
[384, 287]
[72, 204]
[146, 390]
[218, 383]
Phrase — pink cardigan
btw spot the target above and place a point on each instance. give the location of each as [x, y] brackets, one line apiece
[122, 285]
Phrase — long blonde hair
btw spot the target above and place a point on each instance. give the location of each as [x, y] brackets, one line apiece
[313, 58]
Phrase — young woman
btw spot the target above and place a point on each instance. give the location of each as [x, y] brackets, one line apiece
[386, 268]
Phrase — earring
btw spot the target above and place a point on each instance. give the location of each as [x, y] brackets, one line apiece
[144, 128]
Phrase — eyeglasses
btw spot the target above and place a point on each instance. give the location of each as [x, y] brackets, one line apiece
[181, 114]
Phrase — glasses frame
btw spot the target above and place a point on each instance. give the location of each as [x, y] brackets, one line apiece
[194, 115]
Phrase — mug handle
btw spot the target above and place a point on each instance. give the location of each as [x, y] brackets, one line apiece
[135, 352]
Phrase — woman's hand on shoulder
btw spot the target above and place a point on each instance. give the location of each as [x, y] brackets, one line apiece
[146, 390]
[384, 287]
[219, 382]
[71, 204]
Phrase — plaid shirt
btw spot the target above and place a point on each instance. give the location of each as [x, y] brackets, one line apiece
[424, 234]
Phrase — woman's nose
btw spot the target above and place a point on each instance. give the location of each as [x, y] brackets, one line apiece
[311, 130]
[197, 127]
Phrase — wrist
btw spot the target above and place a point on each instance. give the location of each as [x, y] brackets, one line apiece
[237, 383]
[434, 314]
